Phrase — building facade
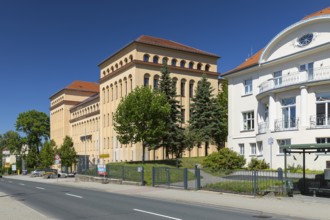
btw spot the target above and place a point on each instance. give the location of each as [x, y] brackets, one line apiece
[90, 120]
[281, 95]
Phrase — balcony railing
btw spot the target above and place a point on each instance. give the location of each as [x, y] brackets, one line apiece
[262, 127]
[314, 74]
[320, 121]
[286, 124]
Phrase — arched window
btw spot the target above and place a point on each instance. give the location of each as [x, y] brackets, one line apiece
[182, 63]
[155, 59]
[191, 65]
[112, 69]
[156, 82]
[126, 60]
[165, 60]
[182, 87]
[191, 89]
[199, 66]
[121, 63]
[146, 57]
[108, 71]
[207, 67]
[116, 65]
[131, 58]
[173, 62]
[103, 73]
[146, 79]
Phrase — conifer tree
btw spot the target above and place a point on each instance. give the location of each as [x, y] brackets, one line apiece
[174, 136]
[221, 116]
[202, 121]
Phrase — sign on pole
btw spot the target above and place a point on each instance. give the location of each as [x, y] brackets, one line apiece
[101, 170]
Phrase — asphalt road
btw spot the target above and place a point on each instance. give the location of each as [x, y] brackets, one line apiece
[62, 202]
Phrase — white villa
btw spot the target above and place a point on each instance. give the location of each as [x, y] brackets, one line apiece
[281, 95]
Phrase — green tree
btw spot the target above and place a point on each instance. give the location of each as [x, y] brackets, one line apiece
[35, 125]
[67, 152]
[47, 154]
[173, 138]
[225, 159]
[13, 141]
[33, 158]
[140, 117]
[256, 164]
[220, 134]
[203, 119]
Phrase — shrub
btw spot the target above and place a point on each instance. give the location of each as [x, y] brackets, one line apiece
[223, 160]
[256, 164]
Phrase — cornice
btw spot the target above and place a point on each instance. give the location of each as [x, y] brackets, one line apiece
[85, 116]
[64, 102]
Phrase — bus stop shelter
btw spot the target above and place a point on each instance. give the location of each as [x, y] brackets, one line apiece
[303, 149]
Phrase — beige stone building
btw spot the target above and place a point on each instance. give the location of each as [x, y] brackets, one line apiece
[87, 118]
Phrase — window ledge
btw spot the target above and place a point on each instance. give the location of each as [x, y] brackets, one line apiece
[243, 131]
[280, 154]
[249, 94]
[253, 155]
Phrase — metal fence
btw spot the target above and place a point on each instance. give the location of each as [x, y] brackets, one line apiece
[170, 177]
[124, 173]
[254, 182]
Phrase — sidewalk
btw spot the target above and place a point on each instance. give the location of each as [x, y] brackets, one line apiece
[297, 206]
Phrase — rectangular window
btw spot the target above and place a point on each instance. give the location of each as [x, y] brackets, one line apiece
[283, 142]
[108, 96]
[116, 91]
[323, 109]
[323, 140]
[309, 68]
[248, 121]
[278, 78]
[108, 120]
[260, 148]
[248, 86]
[253, 149]
[289, 113]
[111, 93]
[241, 149]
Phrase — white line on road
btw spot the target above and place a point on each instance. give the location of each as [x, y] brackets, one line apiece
[40, 188]
[152, 213]
[73, 195]
[22, 184]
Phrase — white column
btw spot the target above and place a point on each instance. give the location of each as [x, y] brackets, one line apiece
[303, 106]
[271, 112]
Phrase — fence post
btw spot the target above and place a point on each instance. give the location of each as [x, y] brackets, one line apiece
[142, 176]
[168, 177]
[255, 180]
[122, 172]
[153, 176]
[185, 178]
[197, 176]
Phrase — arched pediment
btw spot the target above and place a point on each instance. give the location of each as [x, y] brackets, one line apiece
[304, 35]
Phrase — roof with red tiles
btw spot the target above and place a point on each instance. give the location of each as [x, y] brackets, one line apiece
[84, 86]
[253, 60]
[170, 44]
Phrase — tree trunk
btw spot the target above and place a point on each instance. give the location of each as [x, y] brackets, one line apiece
[206, 148]
[143, 152]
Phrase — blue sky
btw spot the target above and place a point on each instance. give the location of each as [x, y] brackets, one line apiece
[45, 45]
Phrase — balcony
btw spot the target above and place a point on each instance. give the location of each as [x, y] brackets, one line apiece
[320, 121]
[286, 124]
[310, 75]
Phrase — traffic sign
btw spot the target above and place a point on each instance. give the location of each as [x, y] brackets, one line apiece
[57, 157]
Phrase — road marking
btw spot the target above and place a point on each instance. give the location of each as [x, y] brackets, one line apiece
[40, 188]
[68, 194]
[152, 213]
[22, 184]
